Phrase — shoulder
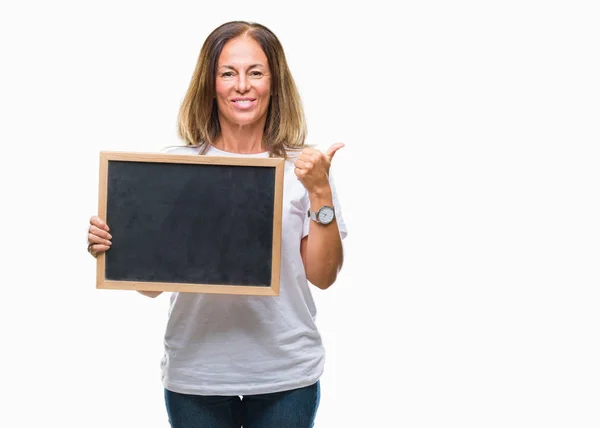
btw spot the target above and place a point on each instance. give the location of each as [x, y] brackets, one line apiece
[181, 150]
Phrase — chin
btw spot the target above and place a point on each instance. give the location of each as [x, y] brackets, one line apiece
[245, 121]
[241, 123]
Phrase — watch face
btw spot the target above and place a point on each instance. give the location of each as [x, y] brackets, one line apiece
[325, 215]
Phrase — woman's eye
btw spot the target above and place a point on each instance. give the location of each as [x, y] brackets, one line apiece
[227, 74]
[255, 74]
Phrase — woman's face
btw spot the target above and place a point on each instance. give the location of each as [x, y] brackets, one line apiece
[243, 83]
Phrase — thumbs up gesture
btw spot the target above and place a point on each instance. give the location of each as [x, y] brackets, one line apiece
[312, 167]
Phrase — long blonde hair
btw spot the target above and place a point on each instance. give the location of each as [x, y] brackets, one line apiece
[198, 121]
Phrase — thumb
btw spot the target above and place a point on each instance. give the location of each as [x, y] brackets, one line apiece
[331, 151]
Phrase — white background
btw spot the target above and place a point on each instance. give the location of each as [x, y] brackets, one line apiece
[469, 182]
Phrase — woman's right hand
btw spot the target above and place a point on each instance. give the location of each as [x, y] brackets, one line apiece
[98, 236]
[99, 241]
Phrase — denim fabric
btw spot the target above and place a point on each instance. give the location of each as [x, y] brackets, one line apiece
[296, 408]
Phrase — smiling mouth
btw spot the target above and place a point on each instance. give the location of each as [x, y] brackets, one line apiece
[243, 103]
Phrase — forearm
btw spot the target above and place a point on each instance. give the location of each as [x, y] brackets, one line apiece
[152, 294]
[324, 253]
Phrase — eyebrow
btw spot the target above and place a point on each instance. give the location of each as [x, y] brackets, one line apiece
[231, 67]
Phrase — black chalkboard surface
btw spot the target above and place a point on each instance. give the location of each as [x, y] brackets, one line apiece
[191, 223]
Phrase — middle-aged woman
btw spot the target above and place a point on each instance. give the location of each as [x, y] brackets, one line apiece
[255, 361]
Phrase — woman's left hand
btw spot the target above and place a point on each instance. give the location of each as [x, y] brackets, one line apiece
[312, 168]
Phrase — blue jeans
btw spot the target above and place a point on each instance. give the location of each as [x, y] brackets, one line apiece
[288, 409]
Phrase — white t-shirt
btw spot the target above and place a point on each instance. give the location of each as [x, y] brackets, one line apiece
[240, 345]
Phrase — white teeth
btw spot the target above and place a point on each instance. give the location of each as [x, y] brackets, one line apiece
[243, 102]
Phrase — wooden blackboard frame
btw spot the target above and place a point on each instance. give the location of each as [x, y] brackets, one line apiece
[271, 289]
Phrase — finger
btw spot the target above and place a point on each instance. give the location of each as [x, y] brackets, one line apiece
[99, 223]
[312, 157]
[94, 230]
[304, 164]
[96, 249]
[309, 151]
[95, 239]
[334, 148]
[300, 173]
[308, 165]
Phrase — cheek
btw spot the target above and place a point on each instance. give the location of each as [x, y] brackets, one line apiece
[222, 89]
[222, 94]
[264, 89]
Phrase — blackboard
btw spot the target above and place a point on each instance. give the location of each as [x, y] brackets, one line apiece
[191, 223]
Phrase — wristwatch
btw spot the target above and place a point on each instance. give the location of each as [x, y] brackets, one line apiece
[325, 215]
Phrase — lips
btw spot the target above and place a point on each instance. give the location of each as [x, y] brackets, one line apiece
[243, 103]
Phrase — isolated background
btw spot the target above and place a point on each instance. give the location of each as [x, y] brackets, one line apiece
[469, 182]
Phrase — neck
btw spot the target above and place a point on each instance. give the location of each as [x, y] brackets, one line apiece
[241, 139]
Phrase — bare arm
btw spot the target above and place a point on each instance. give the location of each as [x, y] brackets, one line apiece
[321, 250]
[152, 294]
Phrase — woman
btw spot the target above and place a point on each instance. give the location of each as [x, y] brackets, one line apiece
[255, 361]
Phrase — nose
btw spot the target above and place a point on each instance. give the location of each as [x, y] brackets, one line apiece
[242, 83]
